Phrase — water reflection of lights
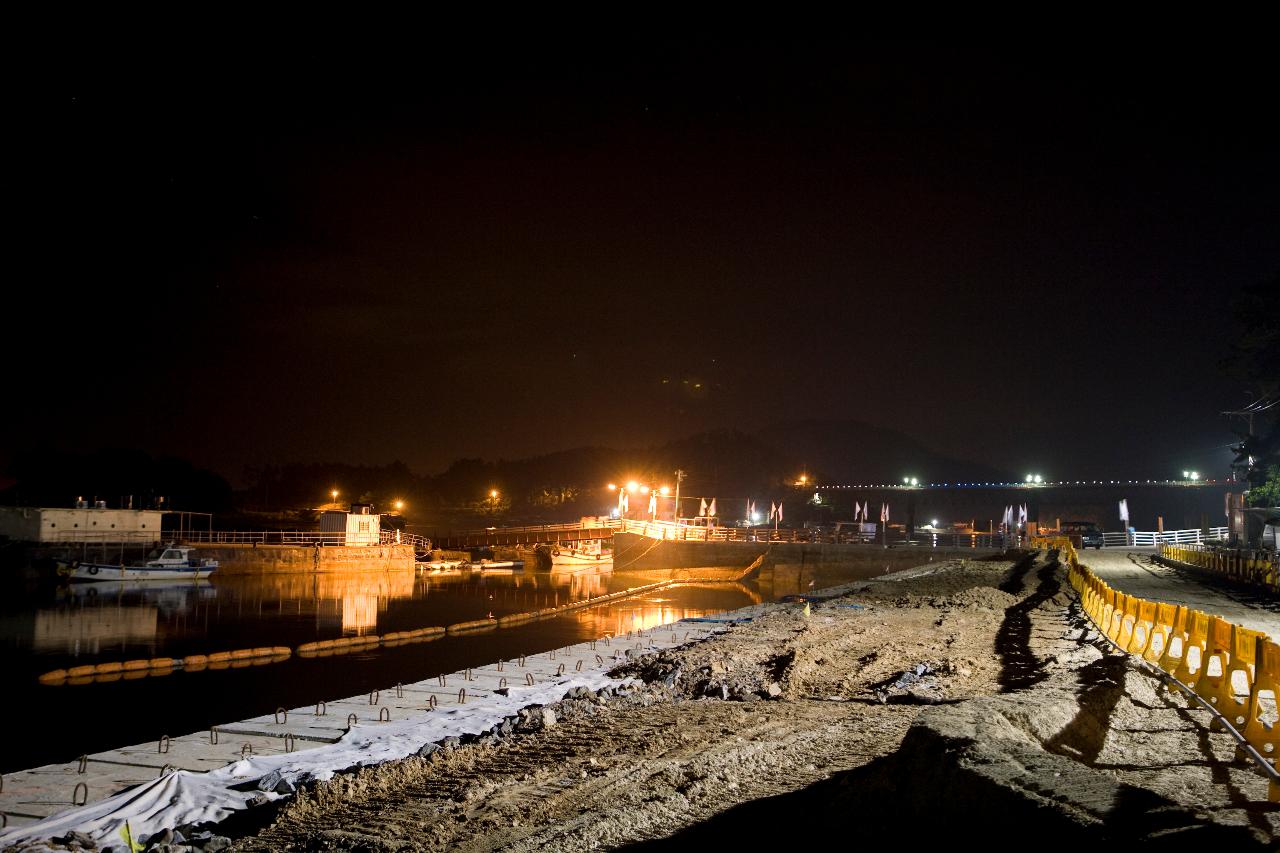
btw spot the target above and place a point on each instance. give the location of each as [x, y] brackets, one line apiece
[87, 630]
[358, 597]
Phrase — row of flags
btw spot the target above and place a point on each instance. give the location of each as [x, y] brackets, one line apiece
[1008, 521]
[863, 512]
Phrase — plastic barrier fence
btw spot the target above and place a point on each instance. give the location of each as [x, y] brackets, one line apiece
[1233, 668]
[1255, 567]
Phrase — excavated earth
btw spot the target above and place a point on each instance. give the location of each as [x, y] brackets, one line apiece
[957, 701]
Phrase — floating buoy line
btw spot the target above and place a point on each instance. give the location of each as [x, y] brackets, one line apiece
[131, 670]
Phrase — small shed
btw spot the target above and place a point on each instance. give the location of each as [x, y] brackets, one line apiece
[359, 526]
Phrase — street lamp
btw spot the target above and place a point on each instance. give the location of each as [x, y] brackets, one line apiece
[493, 494]
[632, 485]
[399, 505]
[334, 494]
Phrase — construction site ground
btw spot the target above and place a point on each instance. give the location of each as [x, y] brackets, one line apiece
[963, 700]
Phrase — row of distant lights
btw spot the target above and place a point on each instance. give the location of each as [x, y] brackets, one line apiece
[1032, 480]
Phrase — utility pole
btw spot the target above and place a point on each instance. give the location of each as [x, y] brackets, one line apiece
[679, 479]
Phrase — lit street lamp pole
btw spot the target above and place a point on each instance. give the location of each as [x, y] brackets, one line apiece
[679, 479]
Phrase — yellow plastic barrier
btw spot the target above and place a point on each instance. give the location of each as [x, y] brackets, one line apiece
[1161, 630]
[1244, 646]
[1263, 736]
[1191, 666]
[1176, 649]
[1142, 626]
[1213, 673]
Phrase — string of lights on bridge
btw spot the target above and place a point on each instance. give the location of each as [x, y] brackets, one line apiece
[1190, 478]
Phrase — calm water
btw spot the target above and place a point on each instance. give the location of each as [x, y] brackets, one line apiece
[46, 627]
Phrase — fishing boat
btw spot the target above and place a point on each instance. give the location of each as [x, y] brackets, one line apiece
[175, 563]
[587, 552]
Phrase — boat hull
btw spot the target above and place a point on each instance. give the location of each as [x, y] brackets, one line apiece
[97, 572]
[568, 559]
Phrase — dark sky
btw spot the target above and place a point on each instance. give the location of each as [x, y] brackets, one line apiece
[1021, 258]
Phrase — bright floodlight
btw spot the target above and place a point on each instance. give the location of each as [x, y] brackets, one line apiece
[632, 485]
[1039, 479]
[755, 517]
[1028, 478]
[1186, 475]
[493, 493]
[664, 491]
[914, 481]
[1195, 475]
[613, 487]
[934, 523]
[399, 505]
[644, 490]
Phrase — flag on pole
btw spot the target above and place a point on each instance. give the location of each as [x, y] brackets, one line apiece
[773, 510]
[857, 510]
[712, 510]
[866, 511]
[884, 513]
[1124, 510]
[1022, 514]
[626, 502]
[653, 503]
[702, 509]
[779, 510]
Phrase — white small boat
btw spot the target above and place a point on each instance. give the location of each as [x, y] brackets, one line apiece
[587, 552]
[175, 563]
[434, 565]
[496, 566]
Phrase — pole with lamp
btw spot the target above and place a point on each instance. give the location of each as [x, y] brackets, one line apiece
[680, 475]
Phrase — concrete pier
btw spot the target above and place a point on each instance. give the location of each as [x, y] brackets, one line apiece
[256, 558]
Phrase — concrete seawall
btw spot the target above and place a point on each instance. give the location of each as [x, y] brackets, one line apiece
[634, 552]
[262, 559]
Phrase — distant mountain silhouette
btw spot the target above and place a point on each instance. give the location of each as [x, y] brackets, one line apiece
[855, 452]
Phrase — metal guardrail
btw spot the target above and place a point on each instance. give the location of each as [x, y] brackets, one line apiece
[1152, 538]
[277, 537]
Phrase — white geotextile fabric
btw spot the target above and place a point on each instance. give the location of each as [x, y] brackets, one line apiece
[189, 797]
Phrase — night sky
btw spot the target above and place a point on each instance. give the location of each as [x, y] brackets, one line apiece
[1024, 259]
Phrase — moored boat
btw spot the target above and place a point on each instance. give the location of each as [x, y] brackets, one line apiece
[175, 563]
[588, 552]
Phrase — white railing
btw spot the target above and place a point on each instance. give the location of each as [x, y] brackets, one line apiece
[1152, 538]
